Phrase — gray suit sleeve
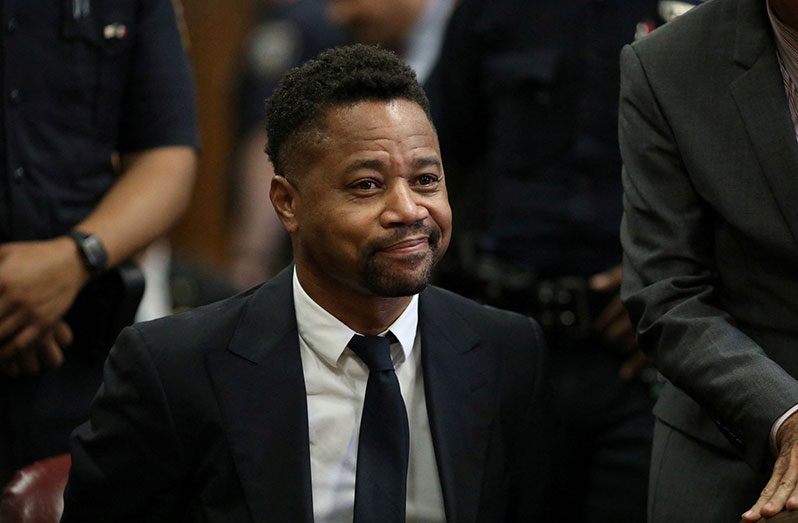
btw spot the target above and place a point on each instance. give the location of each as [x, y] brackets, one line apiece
[671, 283]
[126, 460]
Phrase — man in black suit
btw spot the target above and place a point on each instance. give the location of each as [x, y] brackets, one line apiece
[250, 409]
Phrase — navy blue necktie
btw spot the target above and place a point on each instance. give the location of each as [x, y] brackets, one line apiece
[383, 445]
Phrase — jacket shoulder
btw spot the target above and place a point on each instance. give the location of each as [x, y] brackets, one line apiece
[706, 30]
[202, 329]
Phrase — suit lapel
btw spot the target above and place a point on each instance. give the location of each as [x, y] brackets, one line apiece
[261, 391]
[459, 381]
[762, 102]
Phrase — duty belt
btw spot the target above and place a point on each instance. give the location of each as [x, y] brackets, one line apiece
[565, 306]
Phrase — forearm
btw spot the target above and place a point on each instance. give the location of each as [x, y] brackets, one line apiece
[152, 193]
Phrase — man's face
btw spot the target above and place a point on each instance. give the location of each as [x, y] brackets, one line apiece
[371, 215]
[377, 22]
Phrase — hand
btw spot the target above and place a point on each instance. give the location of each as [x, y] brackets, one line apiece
[44, 353]
[38, 283]
[782, 489]
[614, 324]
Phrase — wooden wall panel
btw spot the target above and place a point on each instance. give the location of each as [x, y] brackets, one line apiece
[216, 30]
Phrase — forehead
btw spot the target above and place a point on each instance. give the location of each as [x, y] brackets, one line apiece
[375, 124]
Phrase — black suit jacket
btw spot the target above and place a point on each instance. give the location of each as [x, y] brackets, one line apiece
[203, 416]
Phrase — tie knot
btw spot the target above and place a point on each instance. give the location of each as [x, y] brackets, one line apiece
[374, 351]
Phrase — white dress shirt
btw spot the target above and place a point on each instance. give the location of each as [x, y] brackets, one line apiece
[335, 382]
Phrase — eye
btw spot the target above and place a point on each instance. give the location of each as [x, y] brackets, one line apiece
[427, 180]
[366, 184]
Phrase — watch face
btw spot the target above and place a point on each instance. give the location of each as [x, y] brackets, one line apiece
[92, 251]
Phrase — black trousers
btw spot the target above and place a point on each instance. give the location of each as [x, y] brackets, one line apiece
[37, 414]
[603, 437]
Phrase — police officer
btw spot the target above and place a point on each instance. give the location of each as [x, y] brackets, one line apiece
[527, 118]
[83, 82]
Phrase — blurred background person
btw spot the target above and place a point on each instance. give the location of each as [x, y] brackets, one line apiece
[526, 110]
[413, 29]
[288, 33]
[82, 81]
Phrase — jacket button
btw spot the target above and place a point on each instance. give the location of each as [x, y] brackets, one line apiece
[11, 25]
[14, 96]
[19, 174]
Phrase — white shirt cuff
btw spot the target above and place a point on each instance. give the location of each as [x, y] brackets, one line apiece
[776, 426]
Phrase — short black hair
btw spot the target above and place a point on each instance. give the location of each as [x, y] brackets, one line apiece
[338, 76]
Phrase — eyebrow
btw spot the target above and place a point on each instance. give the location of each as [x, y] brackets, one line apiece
[379, 165]
[429, 161]
[374, 165]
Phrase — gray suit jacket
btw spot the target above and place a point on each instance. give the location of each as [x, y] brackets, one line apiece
[203, 416]
[710, 230]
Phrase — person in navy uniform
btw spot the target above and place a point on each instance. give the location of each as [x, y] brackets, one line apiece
[527, 116]
[84, 83]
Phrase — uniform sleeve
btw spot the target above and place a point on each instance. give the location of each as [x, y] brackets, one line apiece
[126, 460]
[159, 104]
[671, 280]
[454, 92]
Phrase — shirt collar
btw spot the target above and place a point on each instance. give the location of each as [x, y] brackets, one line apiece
[327, 336]
[787, 44]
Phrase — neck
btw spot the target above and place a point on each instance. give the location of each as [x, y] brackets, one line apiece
[362, 312]
[786, 11]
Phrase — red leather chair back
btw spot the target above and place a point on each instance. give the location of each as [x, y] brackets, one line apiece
[36, 493]
[787, 516]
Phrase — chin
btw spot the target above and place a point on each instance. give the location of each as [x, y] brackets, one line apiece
[399, 291]
[394, 285]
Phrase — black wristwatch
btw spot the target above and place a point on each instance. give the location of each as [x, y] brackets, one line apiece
[91, 250]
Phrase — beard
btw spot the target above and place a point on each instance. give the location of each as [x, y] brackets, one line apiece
[382, 278]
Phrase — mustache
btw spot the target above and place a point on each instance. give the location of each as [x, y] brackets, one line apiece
[406, 232]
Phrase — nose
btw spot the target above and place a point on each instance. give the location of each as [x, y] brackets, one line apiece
[403, 206]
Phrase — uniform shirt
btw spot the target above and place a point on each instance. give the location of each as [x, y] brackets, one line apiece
[527, 114]
[5, 216]
[288, 34]
[81, 80]
[335, 382]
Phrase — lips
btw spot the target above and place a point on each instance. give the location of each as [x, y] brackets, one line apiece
[415, 239]
[408, 245]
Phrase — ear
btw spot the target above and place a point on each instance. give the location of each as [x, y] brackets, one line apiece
[284, 197]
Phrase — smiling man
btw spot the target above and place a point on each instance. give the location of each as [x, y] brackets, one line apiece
[345, 389]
